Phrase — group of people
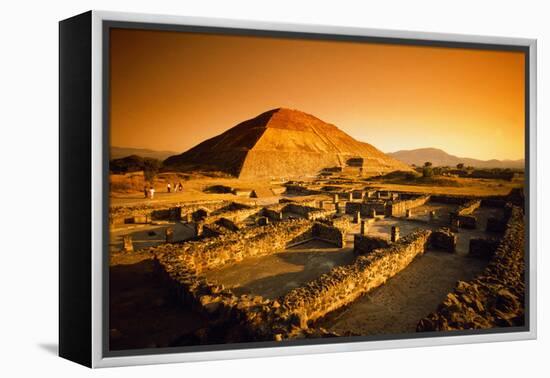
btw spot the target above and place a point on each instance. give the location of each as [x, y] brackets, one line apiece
[149, 191]
[177, 187]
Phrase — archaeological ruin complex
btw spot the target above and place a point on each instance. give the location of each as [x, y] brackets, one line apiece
[235, 261]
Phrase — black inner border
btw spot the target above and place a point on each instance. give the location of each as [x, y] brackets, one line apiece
[107, 25]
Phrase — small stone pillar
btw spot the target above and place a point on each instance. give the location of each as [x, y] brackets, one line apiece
[372, 213]
[358, 217]
[378, 195]
[394, 233]
[408, 213]
[127, 245]
[432, 216]
[364, 227]
[198, 228]
[321, 204]
[335, 199]
[169, 233]
[350, 196]
[455, 224]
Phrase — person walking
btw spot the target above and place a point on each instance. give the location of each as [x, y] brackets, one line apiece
[168, 187]
[151, 192]
[145, 191]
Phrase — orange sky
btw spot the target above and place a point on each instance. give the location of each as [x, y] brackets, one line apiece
[172, 90]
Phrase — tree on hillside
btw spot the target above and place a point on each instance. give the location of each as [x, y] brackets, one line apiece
[428, 164]
[427, 171]
[151, 168]
[460, 165]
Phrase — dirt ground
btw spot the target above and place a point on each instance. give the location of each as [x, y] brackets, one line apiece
[468, 187]
[148, 235]
[195, 189]
[397, 306]
[275, 275]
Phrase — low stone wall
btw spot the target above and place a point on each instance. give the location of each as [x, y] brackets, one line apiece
[228, 224]
[467, 221]
[233, 247]
[468, 208]
[311, 213]
[162, 211]
[235, 216]
[344, 284]
[365, 208]
[365, 244]
[496, 298]
[329, 234]
[212, 230]
[343, 223]
[464, 214]
[273, 214]
[399, 208]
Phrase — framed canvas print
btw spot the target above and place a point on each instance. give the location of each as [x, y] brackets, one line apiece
[233, 189]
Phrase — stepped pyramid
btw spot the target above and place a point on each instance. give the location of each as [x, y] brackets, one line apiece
[283, 143]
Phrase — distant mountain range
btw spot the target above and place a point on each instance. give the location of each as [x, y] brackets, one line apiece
[120, 152]
[440, 158]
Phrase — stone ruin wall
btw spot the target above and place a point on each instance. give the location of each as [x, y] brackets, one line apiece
[233, 247]
[399, 208]
[330, 234]
[235, 216]
[365, 244]
[385, 207]
[365, 208]
[309, 212]
[146, 213]
[464, 214]
[496, 297]
[342, 223]
[468, 208]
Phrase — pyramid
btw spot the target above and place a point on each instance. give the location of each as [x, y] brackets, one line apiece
[283, 143]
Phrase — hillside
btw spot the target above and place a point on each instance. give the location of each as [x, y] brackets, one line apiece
[440, 158]
[283, 143]
[121, 152]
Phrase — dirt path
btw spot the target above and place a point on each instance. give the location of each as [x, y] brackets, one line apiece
[396, 307]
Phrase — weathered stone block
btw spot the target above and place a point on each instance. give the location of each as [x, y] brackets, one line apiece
[443, 239]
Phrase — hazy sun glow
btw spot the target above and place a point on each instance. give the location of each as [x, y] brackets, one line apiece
[172, 90]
